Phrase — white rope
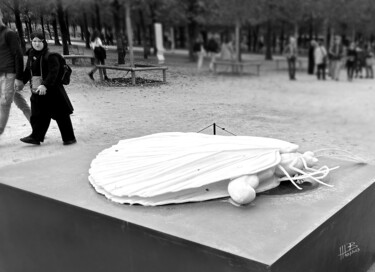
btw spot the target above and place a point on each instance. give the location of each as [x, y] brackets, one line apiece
[310, 176]
[347, 154]
[289, 177]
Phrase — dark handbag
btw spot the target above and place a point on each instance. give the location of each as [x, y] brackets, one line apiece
[100, 52]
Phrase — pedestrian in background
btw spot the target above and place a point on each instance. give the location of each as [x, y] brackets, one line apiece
[351, 60]
[311, 57]
[320, 59]
[227, 50]
[49, 99]
[360, 63]
[11, 70]
[369, 61]
[213, 49]
[99, 53]
[200, 52]
[291, 54]
[336, 53]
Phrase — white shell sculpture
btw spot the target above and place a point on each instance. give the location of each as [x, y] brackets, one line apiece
[175, 167]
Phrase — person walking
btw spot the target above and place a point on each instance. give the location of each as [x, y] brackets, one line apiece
[11, 70]
[49, 99]
[336, 53]
[227, 50]
[369, 61]
[99, 53]
[360, 63]
[311, 57]
[213, 49]
[199, 51]
[320, 59]
[227, 53]
[351, 60]
[291, 54]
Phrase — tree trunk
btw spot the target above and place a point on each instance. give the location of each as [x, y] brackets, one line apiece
[27, 28]
[67, 27]
[130, 34]
[146, 49]
[325, 33]
[274, 42]
[55, 31]
[119, 37]
[255, 38]
[269, 40]
[311, 28]
[63, 29]
[42, 23]
[181, 37]
[296, 32]
[192, 26]
[93, 21]
[19, 24]
[98, 19]
[29, 25]
[86, 30]
[192, 35]
[249, 39]
[82, 31]
[49, 30]
[238, 41]
[173, 40]
[152, 31]
[282, 37]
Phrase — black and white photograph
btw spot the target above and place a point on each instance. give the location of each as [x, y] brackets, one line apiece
[187, 136]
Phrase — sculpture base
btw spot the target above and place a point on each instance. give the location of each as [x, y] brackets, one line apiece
[51, 219]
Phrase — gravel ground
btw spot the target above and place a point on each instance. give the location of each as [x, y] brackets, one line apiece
[314, 114]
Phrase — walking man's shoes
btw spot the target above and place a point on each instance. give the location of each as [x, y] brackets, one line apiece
[30, 140]
[70, 142]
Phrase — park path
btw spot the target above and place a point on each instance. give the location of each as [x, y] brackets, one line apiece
[311, 113]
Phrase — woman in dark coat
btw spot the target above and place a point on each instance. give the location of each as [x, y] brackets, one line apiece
[351, 59]
[311, 59]
[49, 99]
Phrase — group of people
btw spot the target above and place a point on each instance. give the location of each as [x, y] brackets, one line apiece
[354, 57]
[43, 71]
[213, 49]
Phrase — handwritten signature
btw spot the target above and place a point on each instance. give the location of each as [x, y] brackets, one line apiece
[348, 249]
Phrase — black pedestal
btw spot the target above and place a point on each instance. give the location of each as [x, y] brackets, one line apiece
[51, 219]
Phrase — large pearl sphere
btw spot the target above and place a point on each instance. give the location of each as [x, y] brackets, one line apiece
[241, 190]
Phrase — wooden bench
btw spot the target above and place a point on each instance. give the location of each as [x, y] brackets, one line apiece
[74, 58]
[133, 70]
[299, 61]
[237, 67]
[76, 50]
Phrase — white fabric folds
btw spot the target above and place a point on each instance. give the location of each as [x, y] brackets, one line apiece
[175, 167]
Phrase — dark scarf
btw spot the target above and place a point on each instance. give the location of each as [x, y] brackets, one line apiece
[35, 59]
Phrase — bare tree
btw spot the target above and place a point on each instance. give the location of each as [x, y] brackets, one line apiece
[63, 29]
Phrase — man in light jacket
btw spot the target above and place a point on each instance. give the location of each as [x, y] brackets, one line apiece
[320, 56]
[291, 53]
[11, 71]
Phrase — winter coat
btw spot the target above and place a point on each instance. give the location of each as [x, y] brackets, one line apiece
[56, 101]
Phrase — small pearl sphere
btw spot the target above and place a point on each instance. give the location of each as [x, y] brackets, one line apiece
[241, 191]
[252, 180]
